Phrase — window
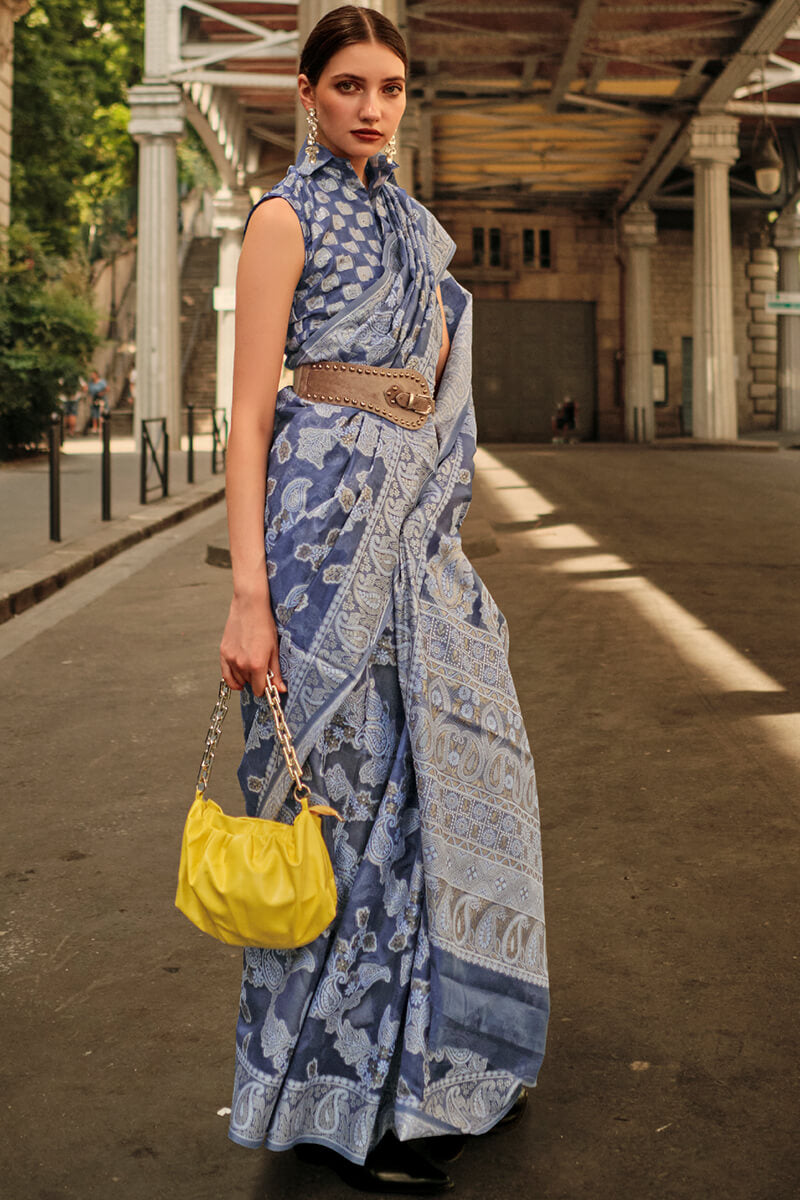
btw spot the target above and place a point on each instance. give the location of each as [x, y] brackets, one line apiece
[495, 248]
[544, 249]
[487, 247]
[536, 250]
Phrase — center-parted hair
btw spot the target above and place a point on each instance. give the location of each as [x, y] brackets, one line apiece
[344, 27]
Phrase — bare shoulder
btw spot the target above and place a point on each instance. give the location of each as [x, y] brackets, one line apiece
[274, 218]
[274, 242]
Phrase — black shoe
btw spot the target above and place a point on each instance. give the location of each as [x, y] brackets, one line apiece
[392, 1168]
[445, 1147]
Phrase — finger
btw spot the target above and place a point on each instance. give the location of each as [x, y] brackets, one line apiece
[275, 667]
[258, 681]
[230, 676]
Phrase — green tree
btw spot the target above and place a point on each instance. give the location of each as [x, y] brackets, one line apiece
[47, 334]
[73, 63]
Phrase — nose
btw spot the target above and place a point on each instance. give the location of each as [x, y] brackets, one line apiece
[369, 110]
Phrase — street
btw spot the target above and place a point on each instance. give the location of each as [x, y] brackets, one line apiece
[652, 601]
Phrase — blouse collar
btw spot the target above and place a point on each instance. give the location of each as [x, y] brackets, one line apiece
[379, 168]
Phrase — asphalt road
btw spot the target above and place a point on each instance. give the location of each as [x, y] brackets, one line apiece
[652, 603]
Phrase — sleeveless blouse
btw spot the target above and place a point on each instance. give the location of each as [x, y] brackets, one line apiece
[345, 225]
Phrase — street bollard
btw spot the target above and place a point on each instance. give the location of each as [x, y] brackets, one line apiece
[105, 433]
[54, 435]
[190, 455]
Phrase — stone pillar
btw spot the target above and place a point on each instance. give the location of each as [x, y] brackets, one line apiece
[787, 243]
[230, 213]
[713, 150]
[762, 332]
[157, 123]
[10, 10]
[638, 232]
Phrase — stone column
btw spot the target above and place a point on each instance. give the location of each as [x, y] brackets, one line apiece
[638, 232]
[10, 10]
[713, 150]
[157, 123]
[230, 213]
[787, 243]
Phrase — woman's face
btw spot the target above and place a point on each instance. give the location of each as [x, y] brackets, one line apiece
[359, 97]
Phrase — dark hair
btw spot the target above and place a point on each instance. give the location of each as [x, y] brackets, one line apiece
[343, 27]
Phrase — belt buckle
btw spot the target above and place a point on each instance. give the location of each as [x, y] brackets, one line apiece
[415, 401]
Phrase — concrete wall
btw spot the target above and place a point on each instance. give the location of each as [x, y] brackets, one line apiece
[585, 266]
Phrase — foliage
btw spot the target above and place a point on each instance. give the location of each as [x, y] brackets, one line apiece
[73, 63]
[74, 169]
[47, 334]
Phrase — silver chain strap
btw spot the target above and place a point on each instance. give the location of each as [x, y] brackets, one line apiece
[212, 737]
[301, 791]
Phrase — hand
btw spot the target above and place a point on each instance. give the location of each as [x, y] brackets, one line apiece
[250, 646]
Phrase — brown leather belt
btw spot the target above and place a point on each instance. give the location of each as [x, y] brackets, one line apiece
[399, 395]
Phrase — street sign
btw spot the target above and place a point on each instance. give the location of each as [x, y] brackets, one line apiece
[782, 302]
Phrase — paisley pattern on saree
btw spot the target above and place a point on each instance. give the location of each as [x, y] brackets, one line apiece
[424, 1006]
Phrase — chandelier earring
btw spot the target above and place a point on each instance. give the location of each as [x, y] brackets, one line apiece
[391, 147]
[311, 140]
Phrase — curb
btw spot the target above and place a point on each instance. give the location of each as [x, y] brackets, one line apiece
[681, 443]
[23, 587]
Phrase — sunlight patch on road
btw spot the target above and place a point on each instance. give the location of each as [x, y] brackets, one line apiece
[590, 564]
[561, 537]
[702, 648]
[709, 653]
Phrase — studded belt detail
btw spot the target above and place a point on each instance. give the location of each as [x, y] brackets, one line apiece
[399, 395]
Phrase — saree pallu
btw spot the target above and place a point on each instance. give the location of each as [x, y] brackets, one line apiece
[423, 1008]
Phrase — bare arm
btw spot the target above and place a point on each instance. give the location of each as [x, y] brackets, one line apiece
[445, 350]
[270, 266]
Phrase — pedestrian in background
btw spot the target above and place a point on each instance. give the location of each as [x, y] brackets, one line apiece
[98, 393]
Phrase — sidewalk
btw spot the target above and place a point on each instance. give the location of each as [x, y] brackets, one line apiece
[652, 607]
[33, 567]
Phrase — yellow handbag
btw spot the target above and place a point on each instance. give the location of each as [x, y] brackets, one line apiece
[250, 882]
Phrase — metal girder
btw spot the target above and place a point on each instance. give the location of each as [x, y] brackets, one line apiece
[202, 68]
[673, 156]
[581, 28]
[665, 135]
[779, 73]
[762, 40]
[181, 69]
[752, 108]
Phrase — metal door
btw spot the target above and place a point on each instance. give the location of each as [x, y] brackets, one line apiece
[529, 355]
[687, 370]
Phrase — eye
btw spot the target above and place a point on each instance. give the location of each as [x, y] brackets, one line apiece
[394, 89]
[345, 85]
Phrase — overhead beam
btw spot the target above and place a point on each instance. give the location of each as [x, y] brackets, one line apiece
[751, 108]
[661, 141]
[762, 40]
[581, 28]
[530, 66]
[674, 155]
[597, 73]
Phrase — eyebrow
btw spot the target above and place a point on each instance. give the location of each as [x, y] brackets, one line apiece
[360, 78]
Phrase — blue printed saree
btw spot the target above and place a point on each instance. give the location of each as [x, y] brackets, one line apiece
[423, 1008]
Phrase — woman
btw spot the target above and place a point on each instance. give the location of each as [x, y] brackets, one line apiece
[421, 1012]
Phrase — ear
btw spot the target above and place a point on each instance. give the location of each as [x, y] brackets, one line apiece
[307, 92]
